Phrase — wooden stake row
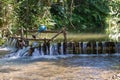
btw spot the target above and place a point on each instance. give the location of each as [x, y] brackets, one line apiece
[80, 48]
[73, 47]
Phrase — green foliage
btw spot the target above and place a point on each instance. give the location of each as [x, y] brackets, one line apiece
[27, 12]
[58, 15]
[46, 18]
[1, 14]
[92, 15]
[30, 13]
[5, 13]
[114, 20]
[88, 16]
[76, 15]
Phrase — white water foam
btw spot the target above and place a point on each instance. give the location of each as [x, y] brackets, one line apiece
[52, 54]
[5, 49]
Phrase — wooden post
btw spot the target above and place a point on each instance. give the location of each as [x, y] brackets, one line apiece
[65, 35]
[106, 47]
[69, 48]
[2, 33]
[94, 47]
[88, 48]
[48, 48]
[22, 33]
[74, 48]
[26, 33]
[59, 48]
[65, 40]
[117, 47]
[77, 47]
[31, 50]
[64, 47]
[40, 49]
[100, 48]
[112, 47]
[26, 42]
[81, 47]
[44, 47]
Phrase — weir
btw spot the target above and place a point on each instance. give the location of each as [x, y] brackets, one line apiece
[20, 47]
[41, 49]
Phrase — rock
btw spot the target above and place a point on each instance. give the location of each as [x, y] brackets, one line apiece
[116, 77]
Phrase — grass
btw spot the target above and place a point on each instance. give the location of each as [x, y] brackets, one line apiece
[72, 37]
[78, 37]
[86, 37]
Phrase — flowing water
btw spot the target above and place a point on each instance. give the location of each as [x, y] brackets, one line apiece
[16, 65]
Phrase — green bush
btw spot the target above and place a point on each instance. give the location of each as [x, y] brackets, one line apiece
[87, 16]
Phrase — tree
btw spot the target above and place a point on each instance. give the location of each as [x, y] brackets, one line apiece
[114, 20]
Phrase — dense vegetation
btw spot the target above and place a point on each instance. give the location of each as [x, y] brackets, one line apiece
[76, 15]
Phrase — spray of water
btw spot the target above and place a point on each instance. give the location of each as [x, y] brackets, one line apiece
[53, 50]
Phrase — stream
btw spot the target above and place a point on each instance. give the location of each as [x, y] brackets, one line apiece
[65, 67]
[15, 64]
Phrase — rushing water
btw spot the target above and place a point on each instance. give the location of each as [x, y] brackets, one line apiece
[57, 66]
[69, 67]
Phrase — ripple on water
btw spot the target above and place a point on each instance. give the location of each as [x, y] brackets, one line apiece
[61, 67]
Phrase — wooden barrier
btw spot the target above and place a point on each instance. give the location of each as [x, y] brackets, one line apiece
[69, 47]
[59, 48]
[77, 48]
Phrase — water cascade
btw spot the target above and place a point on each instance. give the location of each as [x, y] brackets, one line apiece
[9, 45]
[61, 48]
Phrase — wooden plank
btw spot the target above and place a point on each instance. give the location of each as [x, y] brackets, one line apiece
[37, 39]
[15, 37]
[31, 39]
[55, 36]
[48, 31]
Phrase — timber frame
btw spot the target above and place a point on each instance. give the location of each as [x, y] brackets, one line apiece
[45, 40]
